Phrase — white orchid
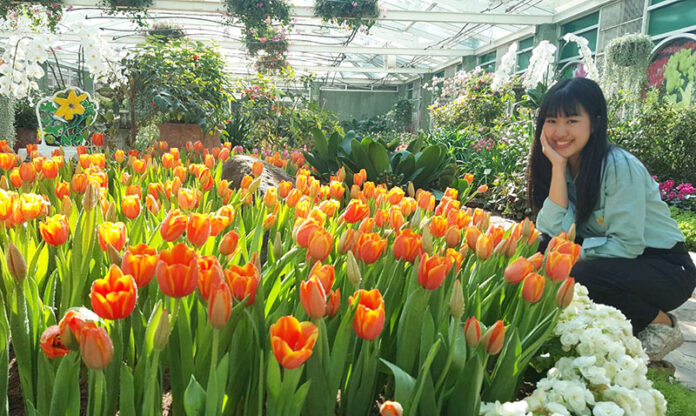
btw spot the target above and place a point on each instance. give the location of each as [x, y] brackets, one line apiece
[585, 53]
[507, 67]
[543, 56]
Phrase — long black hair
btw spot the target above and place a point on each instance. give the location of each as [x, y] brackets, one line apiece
[566, 98]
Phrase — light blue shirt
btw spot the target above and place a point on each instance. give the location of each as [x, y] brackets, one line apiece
[629, 216]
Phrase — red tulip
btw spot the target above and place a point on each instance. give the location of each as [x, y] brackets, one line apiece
[51, 344]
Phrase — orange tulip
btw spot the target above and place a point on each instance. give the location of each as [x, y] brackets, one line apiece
[284, 188]
[370, 247]
[243, 281]
[114, 296]
[51, 344]
[313, 297]
[219, 304]
[334, 302]
[130, 206]
[6, 203]
[229, 243]
[71, 326]
[558, 265]
[152, 205]
[355, 211]
[79, 183]
[177, 271]
[55, 230]
[32, 206]
[432, 271]
[98, 139]
[270, 198]
[15, 179]
[455, 257]
[471, 236]
[536, 260]
[205, 180]
[119, 156]
[173, 225]
[494, 338]
[533, 287]
[49, 168]
[62, 189]
[565, 293]
[517, 270]
[369, 315]
[452, 236]
[292, 341]
[112, 233]
[27, 172]
[138, 165]
[407, 246]
[209, 274]
[396, 218]
[198, 229]
[484, 247]
[257, 168]
[472, 332]
[390, 408]
[140, 262]
[96, 347]
[7, 161]
[305, 231]
[187, 198]
[321, 244]
[336, 190]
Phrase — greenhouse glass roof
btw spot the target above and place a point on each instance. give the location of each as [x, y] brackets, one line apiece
[410, 37]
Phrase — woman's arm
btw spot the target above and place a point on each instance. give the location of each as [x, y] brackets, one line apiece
[558, 190]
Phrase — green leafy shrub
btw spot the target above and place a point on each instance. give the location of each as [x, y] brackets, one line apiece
[687, 224]
[662, 136]
[352, 13]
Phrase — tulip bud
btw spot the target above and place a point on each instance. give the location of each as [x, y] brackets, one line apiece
[341, 174]
[255, 185]
[256, 260]
[277, 246]
[416, 219]
[16, 263]
[571, 233]
[162, 331]
[66, 206]
[457, 300]
[494, 338]
[526, 228]
[411, 190]
[565, 293]
[353, 270]
[4, 183]
[90, 198]
[111, 213]
[472, 332]
[452, 236]
[427, 241]
[113, 254]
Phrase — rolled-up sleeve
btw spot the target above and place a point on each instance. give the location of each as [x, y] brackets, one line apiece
[624, 213]
[553, 218]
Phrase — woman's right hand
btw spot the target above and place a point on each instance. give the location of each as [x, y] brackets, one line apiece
[551, 154]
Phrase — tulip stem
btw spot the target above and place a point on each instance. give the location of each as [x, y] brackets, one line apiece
[214, 354]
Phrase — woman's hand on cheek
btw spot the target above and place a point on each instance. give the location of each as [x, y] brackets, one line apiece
[552, 155]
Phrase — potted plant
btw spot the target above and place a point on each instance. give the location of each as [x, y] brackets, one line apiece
[25, 123]
[352, 13]
[182, 85]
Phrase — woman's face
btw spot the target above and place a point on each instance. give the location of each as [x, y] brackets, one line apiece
[568, 135]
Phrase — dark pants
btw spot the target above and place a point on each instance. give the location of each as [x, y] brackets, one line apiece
[657, 280]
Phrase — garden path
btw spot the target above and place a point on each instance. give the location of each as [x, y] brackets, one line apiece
[684, 357]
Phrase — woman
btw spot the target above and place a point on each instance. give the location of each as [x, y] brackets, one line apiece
[633, 255]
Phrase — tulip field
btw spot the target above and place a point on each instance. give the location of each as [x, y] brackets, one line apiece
[132, 276]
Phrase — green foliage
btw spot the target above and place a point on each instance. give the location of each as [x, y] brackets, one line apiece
[25, 115]
[473, 102]
[165, 31]
[686, 219]
[181, 81]
[353, 14]
[428, 167]
[680, 78]
[662, 136]
[7, 113]
[253, 16]
[497, 157]
[680, 400]
[237, 130]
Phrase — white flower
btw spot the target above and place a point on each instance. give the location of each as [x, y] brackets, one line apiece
[607, 409]
[507, 67]
[586, 53]
[557, 408]
[542, 57]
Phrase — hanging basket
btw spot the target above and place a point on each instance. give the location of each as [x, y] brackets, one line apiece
[629, 50]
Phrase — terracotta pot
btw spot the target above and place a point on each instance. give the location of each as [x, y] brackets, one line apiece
[177, 134]
[24, 136]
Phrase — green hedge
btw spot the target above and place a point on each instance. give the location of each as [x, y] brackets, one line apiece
[687, 224]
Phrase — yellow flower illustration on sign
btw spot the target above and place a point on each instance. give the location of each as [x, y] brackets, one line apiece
[70, 106]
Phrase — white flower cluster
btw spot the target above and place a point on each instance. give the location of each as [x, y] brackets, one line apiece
[507, 67]
[543, 56]
[21, 63]
[603, 373]
[586, 53]
[101, 60]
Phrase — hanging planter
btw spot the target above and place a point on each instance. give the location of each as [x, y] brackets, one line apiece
[137, 9]
[256, 14]
[353, 13]
[267, 39]
[629, 50]
[267, 63]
